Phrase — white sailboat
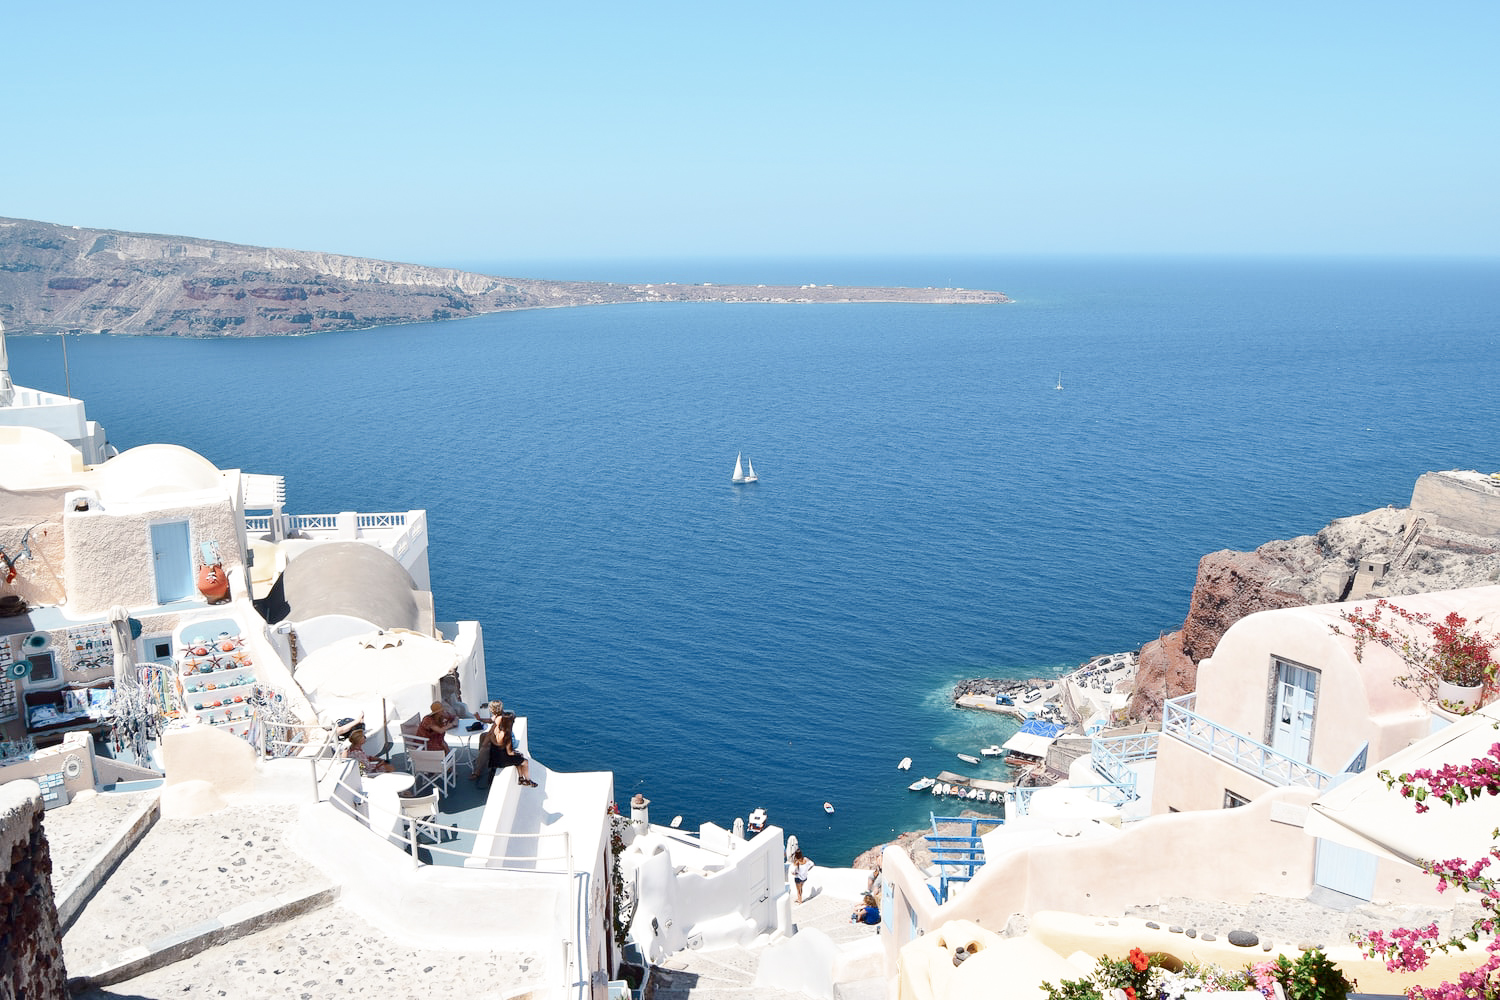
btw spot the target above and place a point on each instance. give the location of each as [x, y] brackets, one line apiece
[740, 475]
[1059, 380]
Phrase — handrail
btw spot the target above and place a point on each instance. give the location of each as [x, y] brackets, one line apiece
[1112, 756]
[1251, 756]
[363, 796]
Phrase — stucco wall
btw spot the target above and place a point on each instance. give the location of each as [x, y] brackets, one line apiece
[39, 579]
[109, 557]
[31, 958]
[1356, 701]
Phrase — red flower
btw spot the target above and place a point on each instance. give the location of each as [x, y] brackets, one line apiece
[1130, 992]
[1139, 961]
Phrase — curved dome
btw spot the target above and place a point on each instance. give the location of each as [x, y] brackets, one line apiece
[154, 469]
[31, 456]
[351, 578]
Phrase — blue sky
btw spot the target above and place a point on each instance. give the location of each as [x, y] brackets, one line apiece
[456, 132]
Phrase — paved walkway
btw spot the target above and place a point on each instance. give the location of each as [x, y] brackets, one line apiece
[77, 831]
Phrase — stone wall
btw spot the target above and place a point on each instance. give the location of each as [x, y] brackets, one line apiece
[31, 959]
[1460, 501]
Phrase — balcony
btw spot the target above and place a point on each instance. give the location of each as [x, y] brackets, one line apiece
[1256, 759]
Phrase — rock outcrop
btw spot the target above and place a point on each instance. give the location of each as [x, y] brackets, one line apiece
[71, 280]
[1384, 553]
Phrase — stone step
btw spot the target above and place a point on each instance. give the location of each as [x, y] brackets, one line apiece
[187, 883]
[333, 952]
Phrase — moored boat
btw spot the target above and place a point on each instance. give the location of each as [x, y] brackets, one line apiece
[922, 784]
[905, 764]
[828, 807]
[968, 758]
[757, 821]
[993, 750]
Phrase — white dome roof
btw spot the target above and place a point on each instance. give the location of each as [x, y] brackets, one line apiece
[156, 469]
[30, 456]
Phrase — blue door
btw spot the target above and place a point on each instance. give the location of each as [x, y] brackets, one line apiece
[1296, 702]
[173, 561]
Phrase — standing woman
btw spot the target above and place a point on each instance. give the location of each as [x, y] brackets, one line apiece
[497, 749]
[802, 867]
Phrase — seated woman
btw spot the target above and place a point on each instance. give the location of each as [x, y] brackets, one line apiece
[868, 913]
[367, 764]
[497, 749]
[435, 724]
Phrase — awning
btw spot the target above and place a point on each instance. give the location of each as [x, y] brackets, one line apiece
[1034, 737]
[1361, 812]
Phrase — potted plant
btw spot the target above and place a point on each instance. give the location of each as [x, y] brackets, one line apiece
[1451, 660]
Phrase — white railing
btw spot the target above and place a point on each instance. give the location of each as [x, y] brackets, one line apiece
[1251, 756]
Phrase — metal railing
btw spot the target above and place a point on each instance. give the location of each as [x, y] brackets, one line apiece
[963, 852]
[1112, 757]
[1251, 756]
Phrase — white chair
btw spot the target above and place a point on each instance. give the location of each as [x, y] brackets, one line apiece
[433, 769]
[420, 811]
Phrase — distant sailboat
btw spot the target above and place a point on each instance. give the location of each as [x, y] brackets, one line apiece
[1059, 381]
[740, 475]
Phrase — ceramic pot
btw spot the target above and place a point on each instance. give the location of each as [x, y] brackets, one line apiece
[1458, 698]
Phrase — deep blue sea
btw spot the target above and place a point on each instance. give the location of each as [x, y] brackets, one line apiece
[930, 507]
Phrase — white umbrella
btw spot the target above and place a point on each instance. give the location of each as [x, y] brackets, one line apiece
[1363, 813]
[401, 669]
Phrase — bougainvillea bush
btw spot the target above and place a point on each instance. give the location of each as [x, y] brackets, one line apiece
[1142, 976]
[1452, 650]
[1409, 949]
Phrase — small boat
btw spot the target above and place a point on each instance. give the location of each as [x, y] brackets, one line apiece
[1059, 381]
[828, 808]
[968, 758]
[905, 764]
[676, 822]
[740, 475]
[922, 784]
[993, 750]
[757, 821]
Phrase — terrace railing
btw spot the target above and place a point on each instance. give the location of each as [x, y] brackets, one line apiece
[407, 527]
[1251, 756]
[1113, 757]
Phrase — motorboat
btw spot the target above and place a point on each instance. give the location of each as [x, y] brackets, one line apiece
[756, 822]
[676, 822]
[828, 808]
[905, 764]
[922, 784]
[993, 750]
[740, 475]
[968, 758]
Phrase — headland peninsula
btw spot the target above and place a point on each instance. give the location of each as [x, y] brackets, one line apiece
[66, 279]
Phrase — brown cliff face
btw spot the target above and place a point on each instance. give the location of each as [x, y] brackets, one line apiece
[1311, 569]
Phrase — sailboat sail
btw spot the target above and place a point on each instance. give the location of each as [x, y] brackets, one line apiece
[740, 475]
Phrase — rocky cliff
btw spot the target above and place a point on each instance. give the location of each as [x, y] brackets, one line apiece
[1448, 539]
[66, 279]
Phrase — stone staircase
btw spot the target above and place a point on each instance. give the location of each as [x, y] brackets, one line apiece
[136, 892]
[729, 973]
